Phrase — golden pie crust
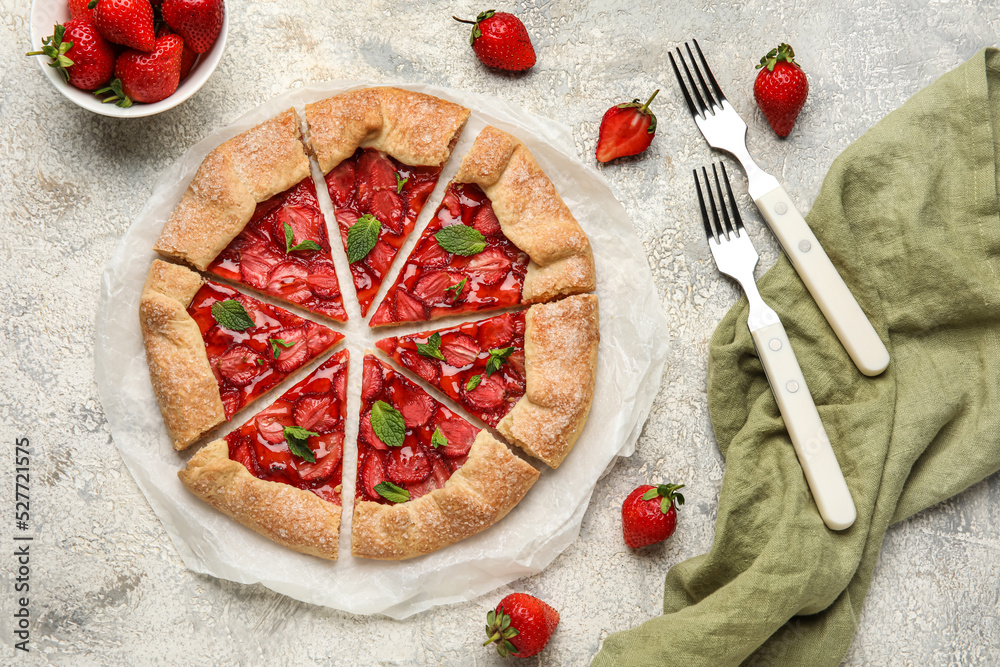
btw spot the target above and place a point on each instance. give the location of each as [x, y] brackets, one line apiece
[416, 129]
[480, 493]
[185, 387]
[560, 361]
[292, 517]
[532, 215]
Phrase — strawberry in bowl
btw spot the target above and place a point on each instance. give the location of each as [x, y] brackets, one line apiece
[104, 55]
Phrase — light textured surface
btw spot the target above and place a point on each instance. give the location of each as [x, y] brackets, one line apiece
[108, 587]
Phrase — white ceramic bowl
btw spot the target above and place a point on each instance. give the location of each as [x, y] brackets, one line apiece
[45, 14]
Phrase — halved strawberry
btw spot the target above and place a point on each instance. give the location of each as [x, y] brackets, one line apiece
[322, 281]
[319, 340]
[409, 309]
[460, 434]
[439, 470]
[372, 474]
[270, 424]
[371, 381]
[380, 258]
[488, 394]
[306, 223]
[324, 466]
[430, 255]
[375, 172]
[420, 365]
[368, 433]
[497, 331]
[451, 202]
[255, 265]
[239, 365]
[433, 285]
[486, 222]
[460, 350]
[346, 218]
[416, 406]
[340, 183]
[490, 266]
[232, 400]
[387, 206]
[241, 454]
[288, 281]
[295, 351]
[317, 413]
[407, 465]
[516, 361]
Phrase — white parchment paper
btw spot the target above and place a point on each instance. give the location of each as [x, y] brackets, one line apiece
[633, 349]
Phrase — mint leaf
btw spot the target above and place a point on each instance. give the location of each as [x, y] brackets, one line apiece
[498, 355]
[296, 437]
[230, 314]
[432, 348]
[457, 288]
[473, 382]
[388, 424]
[275, 342]
[400, 182]
[438, 439]
[461, 240]
[391, 492]
[362, 237]
[305, 245]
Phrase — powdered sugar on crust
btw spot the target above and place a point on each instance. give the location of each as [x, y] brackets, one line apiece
[560, 346]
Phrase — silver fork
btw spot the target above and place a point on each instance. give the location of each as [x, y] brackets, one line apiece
[725, 130]
[736, 257]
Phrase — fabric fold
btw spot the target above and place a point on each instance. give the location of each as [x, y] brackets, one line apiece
[910, 216]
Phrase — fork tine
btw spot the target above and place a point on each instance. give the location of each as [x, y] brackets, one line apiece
[722, 203]
[720, 233]
[708, 71]
[705, 89]
[680, 81]
[694, 86]
[704, 213]
[732, 201]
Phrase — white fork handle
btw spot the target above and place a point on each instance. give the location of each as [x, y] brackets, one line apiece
[824, 283]
[812, 446]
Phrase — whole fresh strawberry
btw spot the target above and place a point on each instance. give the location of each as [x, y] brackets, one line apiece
[79, 9]
[82, 56]
[626, 129]
[125, 22]
[649, 514]
[501, 41]
[521, 625]
[197, 21]
[147, 77]
[780, 88]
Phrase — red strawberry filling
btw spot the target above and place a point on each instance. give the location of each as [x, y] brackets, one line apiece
[316, 404]
[244, 362]
[464, 373]
[372, 182]
[430, 284]
[435, 441]
[294, 270]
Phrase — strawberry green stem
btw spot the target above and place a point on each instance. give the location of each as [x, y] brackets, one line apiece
[495, 638]
[463, 20]
[646, 105]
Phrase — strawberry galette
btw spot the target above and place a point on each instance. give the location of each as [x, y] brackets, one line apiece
[381, 150]
[501, 239]
[502, 236]
[212, 350]
[280, 473]
[426, 477]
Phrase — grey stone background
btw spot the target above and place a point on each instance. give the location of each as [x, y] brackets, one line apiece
[107, 585]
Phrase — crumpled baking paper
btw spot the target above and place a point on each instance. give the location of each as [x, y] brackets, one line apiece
[633, 349]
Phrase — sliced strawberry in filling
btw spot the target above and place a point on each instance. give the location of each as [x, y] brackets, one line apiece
[481, 270]
[404, 439]
[310, 415]
[298, 269]
[372, 182]
[244, 361]
[466, 374]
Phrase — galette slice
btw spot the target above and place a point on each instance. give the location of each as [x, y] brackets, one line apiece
[426, 477]
[280, 473]
[251, 215]
[501, 237]
[381, 150]
[530, 374]
[479, 365]
[212, 351]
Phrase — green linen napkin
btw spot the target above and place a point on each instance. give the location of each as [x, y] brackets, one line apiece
[910, 215]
